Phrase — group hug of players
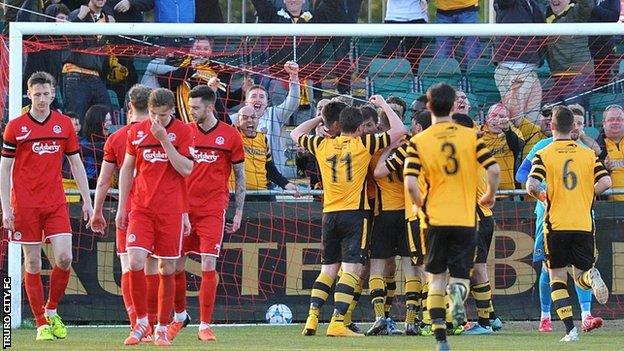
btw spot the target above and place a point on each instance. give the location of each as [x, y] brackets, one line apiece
[173, 195]
[435, 191]
[432, 188]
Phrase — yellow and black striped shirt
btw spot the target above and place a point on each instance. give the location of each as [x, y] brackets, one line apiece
[448, 155]
[343, 162]
[395, 163]
[390, 190]
[570, 172]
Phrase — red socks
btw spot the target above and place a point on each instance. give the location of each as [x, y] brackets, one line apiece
[152, 297]
[58, 282]
[138, 289]
[34, 291]
[127, 298]
[180, 292]
[207, 295]
[166, 292]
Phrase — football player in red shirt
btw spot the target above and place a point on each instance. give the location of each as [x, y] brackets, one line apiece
[35, 211]
[218, 150]
[114, 153]
[160, 151]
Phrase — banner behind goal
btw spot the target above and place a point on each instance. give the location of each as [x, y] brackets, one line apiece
[275, 256]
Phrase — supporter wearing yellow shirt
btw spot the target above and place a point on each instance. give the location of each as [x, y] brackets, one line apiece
[259, 166]
[504, 141]
[613, 150]
[533, 132]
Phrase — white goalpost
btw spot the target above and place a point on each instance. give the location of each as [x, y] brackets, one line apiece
[19, 29]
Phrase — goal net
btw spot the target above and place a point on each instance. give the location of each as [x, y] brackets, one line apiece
[275, 256]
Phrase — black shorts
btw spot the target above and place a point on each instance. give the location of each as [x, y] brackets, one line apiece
[485, 232]
[415, 241]
[389, 235]
[569, 248]
[344, 237]
[450, 248]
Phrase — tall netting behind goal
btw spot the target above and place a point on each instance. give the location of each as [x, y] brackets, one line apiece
[275, 256]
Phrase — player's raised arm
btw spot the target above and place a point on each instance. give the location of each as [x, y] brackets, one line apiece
[397, 130]
[182, 165]
[381, 170]
[536, 177]
[305, 128]
[8, 220]
[602, 180]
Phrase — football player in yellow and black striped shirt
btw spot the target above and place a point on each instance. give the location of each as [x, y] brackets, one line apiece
[574, 176]
[479, 280]
[343, 162]
[401, 235]
[448, 155]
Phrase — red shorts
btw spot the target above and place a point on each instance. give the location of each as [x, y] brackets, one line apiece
[206, 233]
[120, 240]
[37, 225]
[120, 235]
[160, 234]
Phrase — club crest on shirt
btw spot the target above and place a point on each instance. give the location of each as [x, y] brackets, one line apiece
[153, 156]
[220, 140]
[17, 235]
[57, 129]
[131, 238]
[205, 157]
[171, 136]
[45, 148]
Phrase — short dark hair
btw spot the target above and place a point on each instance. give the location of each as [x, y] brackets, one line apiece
[71, 114]
[369, 112]
[563, 119]
[423, 118]
[204, 92]
[546, 112]
[41, 77]
[161, 97]
[138, 96]
[398, 101]
[54, 9]
[441, 98]
[350, 119]
[577, 109]
[331, 112]
[463, 120]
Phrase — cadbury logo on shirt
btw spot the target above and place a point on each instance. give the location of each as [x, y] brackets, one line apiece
[45, 148]
[205, 157]
[153, 156]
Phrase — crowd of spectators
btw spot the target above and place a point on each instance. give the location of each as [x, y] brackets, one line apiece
[577, 65]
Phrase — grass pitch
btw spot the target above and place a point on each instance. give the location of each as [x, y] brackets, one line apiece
[514, 336]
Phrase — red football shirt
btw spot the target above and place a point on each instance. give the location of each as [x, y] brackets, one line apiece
[38, 149]
[115, 146]
[115, 152]
[157, 186]
[215, 152]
